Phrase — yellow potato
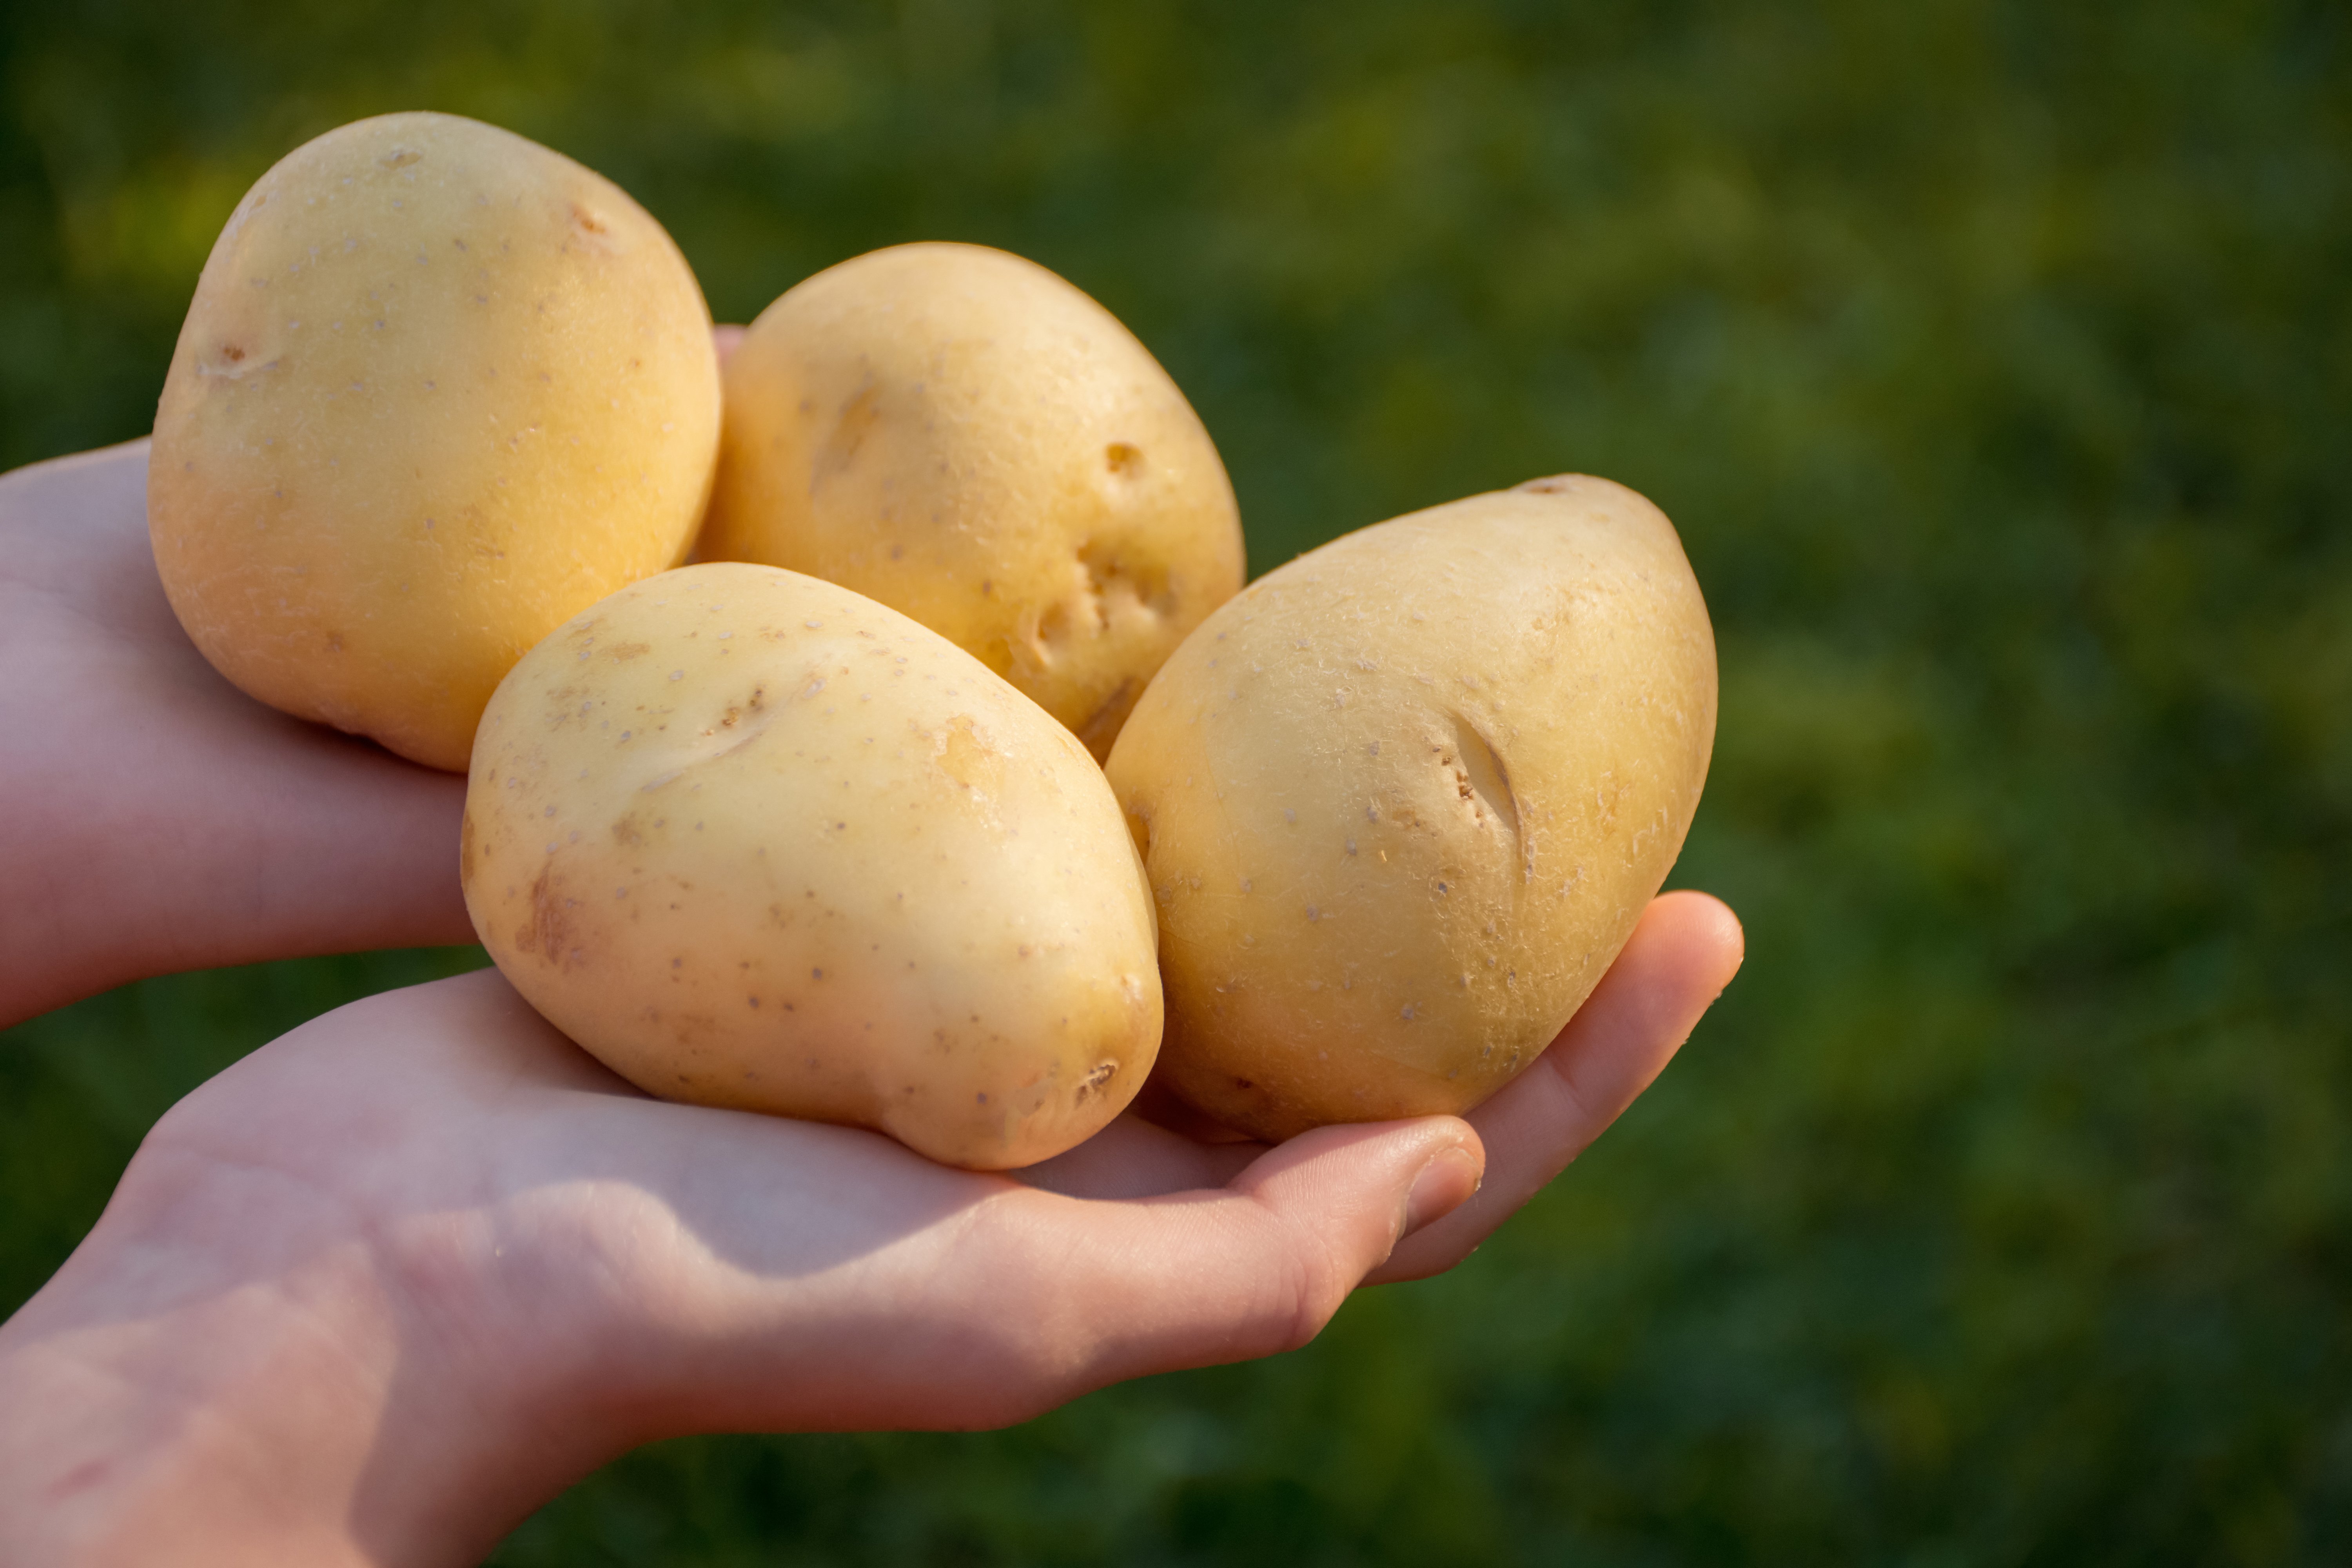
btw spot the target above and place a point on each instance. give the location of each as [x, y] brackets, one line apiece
[966, 438]
[757, 841]
[1402, 802]
[440, 389]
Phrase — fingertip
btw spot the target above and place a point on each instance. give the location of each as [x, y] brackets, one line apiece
[1394, 1177]
[1417, 1172]
[1261, 1265]
[1705, 928]
[1451, 1178]
[726, 340]
[1684, 950]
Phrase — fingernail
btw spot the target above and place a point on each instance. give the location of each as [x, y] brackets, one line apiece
[1445, 1184]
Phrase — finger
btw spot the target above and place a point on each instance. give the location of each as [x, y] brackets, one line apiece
[726, 340]
[1002, 1304]
[1250, 1269]
[1683, 953]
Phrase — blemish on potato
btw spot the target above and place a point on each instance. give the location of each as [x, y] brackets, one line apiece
[547, 931]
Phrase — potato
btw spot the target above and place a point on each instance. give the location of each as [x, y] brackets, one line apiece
[757, 841]
[440, 390]
[966, 438]
[1402, 802]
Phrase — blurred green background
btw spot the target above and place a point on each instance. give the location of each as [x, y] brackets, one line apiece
[1995, 360]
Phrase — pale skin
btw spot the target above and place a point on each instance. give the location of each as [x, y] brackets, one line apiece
[395, 1279]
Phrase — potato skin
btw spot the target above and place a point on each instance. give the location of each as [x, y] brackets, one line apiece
[1402, 801]
[968, 438]
[439, 390]
[756, 841]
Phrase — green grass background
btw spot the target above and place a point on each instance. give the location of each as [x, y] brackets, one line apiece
[1995, 360]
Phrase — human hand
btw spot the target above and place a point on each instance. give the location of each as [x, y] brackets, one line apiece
[398, 1277]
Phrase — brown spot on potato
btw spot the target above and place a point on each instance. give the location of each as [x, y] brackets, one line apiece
[548, 931]
[1097, 1077]
[850, 429]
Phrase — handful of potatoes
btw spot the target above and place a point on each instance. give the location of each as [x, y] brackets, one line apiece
[956, 790]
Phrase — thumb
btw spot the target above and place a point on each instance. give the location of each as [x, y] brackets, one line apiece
[1258, 1266]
